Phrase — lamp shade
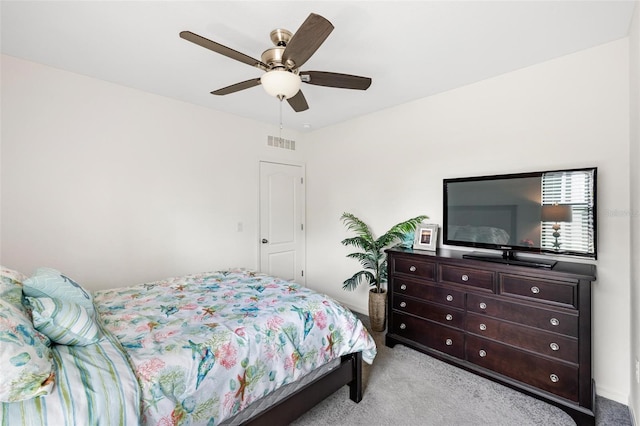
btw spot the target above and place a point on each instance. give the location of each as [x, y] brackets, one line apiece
[281, 84]
[556, 213]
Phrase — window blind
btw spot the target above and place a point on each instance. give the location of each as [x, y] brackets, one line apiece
[574, 188]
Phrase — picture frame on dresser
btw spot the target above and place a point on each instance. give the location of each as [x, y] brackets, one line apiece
[426, 237]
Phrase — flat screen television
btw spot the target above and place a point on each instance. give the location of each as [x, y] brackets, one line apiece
[550, 212]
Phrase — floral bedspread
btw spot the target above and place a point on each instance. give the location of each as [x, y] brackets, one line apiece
[205, 346]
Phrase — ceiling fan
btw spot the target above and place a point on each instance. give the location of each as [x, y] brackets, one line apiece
[283, 77]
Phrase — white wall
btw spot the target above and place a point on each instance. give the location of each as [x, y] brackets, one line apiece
[388, 166]
[634, 217]
[115, 186]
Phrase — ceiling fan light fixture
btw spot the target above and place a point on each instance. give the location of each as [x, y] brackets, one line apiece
[281, 84]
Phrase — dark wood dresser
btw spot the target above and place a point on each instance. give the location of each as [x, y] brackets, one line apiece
[527, 328]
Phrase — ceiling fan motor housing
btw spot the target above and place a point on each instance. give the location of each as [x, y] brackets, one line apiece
[273, 57]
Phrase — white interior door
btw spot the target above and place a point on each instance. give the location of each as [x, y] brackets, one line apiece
[282, 213]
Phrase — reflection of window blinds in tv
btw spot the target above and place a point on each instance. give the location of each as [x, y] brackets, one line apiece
[575, 189]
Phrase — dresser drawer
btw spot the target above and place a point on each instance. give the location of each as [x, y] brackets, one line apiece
[554, 320]
[482, 280]
[430, 311]
[557, 377]
[557, 292]
[439, 337]
[541, 342]
[428, 292]
[416, 268]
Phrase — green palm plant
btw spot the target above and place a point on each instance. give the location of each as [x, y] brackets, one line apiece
[372, 257]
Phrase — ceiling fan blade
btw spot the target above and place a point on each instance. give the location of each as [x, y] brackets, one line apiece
[311, 34]
[332, 79]
[298, 102]
[237, 87]
[223, 50]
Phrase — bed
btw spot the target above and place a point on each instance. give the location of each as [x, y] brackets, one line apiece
[225, 347]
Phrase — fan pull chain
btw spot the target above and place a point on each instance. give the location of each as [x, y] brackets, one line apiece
[280, 134]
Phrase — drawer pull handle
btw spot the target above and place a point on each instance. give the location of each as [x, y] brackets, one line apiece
[482, 353]
[535, 290]
[403, 287]
[448, 342]
[403, 326]
[449, 298]
[449, 317]
[483, 327]
[554, 321]
[403, 304]
[465, 277]
[554, 346]
[412, 268]
[483, 305]
[554, 378]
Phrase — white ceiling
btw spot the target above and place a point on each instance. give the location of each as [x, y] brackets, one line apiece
[411, 49]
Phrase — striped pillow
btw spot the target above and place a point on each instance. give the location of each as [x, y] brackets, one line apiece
[48, 282]
[64, 322]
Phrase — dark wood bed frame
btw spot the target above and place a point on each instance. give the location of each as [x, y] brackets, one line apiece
[349, 372]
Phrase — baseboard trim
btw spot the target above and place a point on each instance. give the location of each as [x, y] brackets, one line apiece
[614, 396]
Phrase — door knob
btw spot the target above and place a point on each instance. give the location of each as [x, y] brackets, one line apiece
[265, 241]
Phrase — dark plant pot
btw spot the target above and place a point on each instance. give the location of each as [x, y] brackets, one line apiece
[377, 309]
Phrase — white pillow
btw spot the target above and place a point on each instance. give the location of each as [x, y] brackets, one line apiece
[63, 322]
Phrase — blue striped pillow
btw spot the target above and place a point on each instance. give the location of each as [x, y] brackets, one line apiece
[63, 322]
[48, 282]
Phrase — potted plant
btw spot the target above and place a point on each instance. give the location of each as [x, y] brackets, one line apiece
[373, 259]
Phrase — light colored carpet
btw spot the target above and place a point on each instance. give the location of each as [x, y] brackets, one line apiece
[406, 387]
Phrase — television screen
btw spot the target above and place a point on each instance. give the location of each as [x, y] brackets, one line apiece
[550, 212]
